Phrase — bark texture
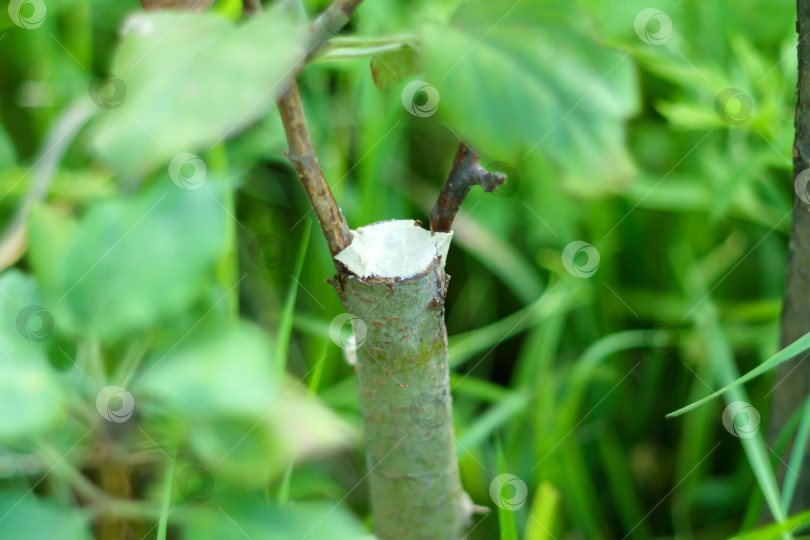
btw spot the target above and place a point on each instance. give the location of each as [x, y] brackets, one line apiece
[404, 393]
[302, 157]
[793, 377]
[463, 175]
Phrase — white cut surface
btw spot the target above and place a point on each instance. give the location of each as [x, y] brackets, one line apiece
[391, 249]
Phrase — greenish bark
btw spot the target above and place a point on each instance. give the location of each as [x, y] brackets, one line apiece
[404, 393]
[792, 383]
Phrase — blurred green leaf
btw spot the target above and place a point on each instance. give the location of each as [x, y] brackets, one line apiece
[219, 390]
[390, 67]
[234, 517]
[183, 81]
[23, 515]
[215, 372]
[131, 262]
[517, 78]
[31, 396]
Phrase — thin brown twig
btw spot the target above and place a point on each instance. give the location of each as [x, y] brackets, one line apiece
[301, 153]
[329, 23]
[302, 156]
[465, 173]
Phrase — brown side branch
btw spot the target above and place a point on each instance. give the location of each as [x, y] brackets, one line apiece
[302, 156]
[465, 173]
[301, 153]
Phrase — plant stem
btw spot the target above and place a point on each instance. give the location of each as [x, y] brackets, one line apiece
[794, 379]
[302, 156]
[163, 522]
[329, 23]
[403, 369]
[301, 153]
[465, 173]
[404, 395]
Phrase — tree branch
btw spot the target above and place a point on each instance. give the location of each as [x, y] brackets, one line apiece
[302, 156]
[301, 153]
[329, 23]
[464, 174]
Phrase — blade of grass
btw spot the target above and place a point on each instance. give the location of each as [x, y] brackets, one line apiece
[285, 325]
[557, 299]
[545, 508]
[796, 457]
[480, 389]
[283, 496]
[317, 372]
[493, 419]
[623, 490]
[797, 347]
[506, 517]
[164, 504]
[776, 530]
[754, 447]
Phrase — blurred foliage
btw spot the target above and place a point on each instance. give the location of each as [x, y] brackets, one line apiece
[157, 274]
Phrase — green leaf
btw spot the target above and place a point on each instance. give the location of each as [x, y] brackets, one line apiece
[223, 372]
[235, 517]
[23, 515]
[390, 67]
[519, 78]
[182, 81]
[31, 396]
[219, 394]
[797, 347]
[131, 262]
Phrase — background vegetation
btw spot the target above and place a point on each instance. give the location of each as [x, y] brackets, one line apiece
[659, 138]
